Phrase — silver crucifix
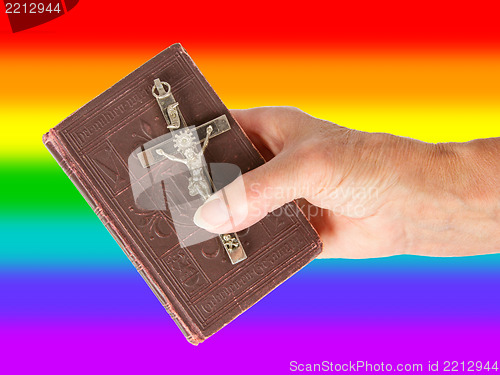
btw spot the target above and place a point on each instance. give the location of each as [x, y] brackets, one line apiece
[185, 144]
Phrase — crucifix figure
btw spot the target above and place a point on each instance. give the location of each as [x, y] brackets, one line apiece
[186, 143]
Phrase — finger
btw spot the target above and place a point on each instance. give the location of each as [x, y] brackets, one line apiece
[261, 144]
[251, 197]
[271, 127]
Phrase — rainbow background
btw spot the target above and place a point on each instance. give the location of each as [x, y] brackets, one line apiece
[70, 301]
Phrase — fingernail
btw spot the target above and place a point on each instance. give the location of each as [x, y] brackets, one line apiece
[212, 214]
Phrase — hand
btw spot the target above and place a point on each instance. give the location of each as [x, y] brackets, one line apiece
[367, 194]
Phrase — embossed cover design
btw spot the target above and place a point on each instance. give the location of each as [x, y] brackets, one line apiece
[199, 287]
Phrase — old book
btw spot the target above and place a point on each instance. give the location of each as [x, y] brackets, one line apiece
[102, 148]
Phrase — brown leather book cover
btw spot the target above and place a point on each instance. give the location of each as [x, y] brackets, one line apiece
[197, 283]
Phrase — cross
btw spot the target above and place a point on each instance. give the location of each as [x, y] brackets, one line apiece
[185, 143]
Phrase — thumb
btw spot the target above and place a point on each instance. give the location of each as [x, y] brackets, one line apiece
[250, 197]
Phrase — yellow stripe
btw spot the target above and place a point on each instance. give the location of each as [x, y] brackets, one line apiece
[432, 124]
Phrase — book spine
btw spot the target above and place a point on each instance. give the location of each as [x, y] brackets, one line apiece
[55, 146]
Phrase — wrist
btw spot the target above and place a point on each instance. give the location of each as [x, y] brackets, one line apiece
[453, 202]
